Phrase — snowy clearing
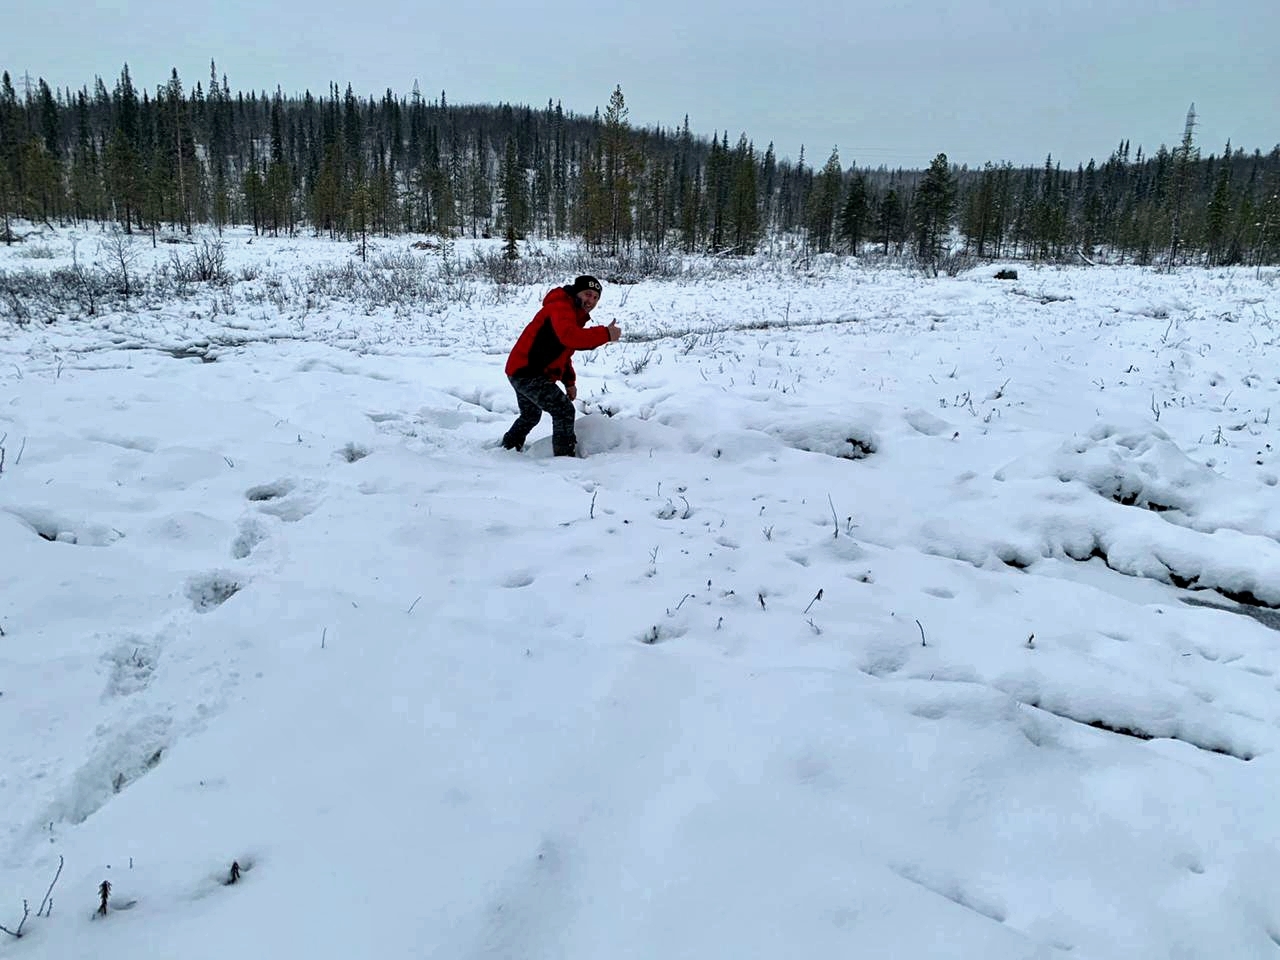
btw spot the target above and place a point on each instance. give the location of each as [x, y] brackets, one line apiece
[884, 616]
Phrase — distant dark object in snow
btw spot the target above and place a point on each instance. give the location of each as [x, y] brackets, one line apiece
[1006, 274]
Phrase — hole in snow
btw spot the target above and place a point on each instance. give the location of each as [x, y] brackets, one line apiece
[55, 529]
[353, 452]
[269, 491]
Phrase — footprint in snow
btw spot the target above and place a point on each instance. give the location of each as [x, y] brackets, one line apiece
[353, 452]
[211, 590]
[132, 663]
[253, 531]
[284, 499]
[116, 760]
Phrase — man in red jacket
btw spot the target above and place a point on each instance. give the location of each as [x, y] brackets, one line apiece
[544, 354]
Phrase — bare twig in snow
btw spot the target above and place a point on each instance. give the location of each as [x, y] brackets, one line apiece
[17, 933]
[816, 597]
[46, 901]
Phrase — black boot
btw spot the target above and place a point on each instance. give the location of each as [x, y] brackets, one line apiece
[565, 448]
[511, 443]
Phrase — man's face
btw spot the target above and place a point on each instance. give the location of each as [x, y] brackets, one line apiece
[588, 299]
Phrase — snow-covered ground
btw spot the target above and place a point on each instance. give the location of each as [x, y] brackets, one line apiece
[885, 617]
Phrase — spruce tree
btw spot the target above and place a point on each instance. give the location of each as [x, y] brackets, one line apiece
[1218, 216]
[823, 204]
[593, 211]
[744, 200]
[85, 187]
[769, 186]
[9, 121]
[1268, 243]
[1186, 156]
[177, 150]
[512, 190]
[717, 188]
[479, 196]
[854, 213]
[978, 220]
[1090, 211]
[891, 221]
[50, 121]
[619, 166]
[933, 207]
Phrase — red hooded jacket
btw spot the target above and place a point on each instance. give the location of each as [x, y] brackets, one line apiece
[545, 347]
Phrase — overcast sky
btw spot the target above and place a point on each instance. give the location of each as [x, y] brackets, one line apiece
[884, 82]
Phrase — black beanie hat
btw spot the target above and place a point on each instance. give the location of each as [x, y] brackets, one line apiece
[586, 282]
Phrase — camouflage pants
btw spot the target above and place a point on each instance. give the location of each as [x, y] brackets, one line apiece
[534, 395]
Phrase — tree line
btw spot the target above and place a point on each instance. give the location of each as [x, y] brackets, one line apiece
[346, 166]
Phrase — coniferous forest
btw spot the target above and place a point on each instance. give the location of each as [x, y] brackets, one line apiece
[178, 156]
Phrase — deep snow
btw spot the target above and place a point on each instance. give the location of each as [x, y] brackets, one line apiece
[886, 616]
